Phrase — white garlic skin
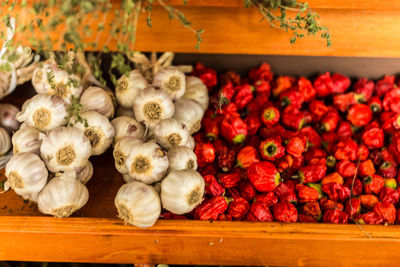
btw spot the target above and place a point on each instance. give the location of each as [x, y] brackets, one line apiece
[65, 148]
[27, 174]
[171, 80]
[128, 112]
[7, 117]
[97, 99]
[152, 161]
[191, 143]
[126, 126]
[128, 86]
[170, 132]
[5, 141]
[62, 84]
[196, 90]
[85, 173]
[100, 132]
[182, 191]
[181, 158]
[63, 195]
[138, 204]
[26, 139]
[127, 178]
[121, 152]
[152, 105]
[190, 113]
[45, 112]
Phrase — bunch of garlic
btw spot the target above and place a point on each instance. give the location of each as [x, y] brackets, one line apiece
[154, 146]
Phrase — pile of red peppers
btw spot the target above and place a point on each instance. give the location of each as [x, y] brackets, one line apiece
[287, 149]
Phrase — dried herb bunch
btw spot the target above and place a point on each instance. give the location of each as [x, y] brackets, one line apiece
[304, 23]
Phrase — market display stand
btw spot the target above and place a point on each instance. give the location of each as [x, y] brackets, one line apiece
[94, 234]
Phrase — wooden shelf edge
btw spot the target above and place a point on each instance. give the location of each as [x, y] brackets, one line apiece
[194, 242]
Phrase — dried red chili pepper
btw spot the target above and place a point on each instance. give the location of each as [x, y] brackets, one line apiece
[314, 153]
[353, 207]
[211, 209]
[330, 121]
[262, 87]
[312, 209]
[243, 95]
[373, 138]
[208, 169]
[333, 177]
[346, 168]
[305, 87]
[247, 156]
[327, 204]
[212, 187]
[306, 219]
[247, 190]
[389, 195]
[373, 184]
[359, 115]
[285, 193]
[264, 176]
[387, 211]
[205, 153]
[296, 147]
[238, 208]
[323, 85]
[340, 83]
[253, 124]
[263, 73]
[226, 159]
[259, 213]
[312, 173]
[282, 83]
[391, 101]
[230, 76]
[272, 149]
[384, 85]
[293, 118]
[233, 129]
[329, 141]
[211, 127]
[368, 201]
[270, 116]
[285, 212]
[207, 75]
[390, 182]
[335, 216]
[366, 168]
[229, 180]
[365, 88]
[285, 163]
[369, 218]
[375, 104]
[306, 193]
[291, 98]
[336, 192]
[318, 109]
[355, 185]
[344, 101]
[346, 150]
[344, 130]
[313, 138]
[224, 217]
[226, 93]
[269, 199]
[362, 152]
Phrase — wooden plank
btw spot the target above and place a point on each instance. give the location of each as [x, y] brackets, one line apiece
[236, 30]
[196, 242]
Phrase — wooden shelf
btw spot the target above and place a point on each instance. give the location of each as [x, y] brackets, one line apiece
[358, 28]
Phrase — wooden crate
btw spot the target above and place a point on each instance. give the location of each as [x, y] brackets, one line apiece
[94, 234]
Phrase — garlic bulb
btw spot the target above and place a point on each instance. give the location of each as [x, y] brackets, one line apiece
[170, 132]
[181, 158]
[63, 195]
[121, 151]
[97, 99]
[7, 117]
[65, 148]
[5, 141]
[53, 81]
[182, 191]
[26, 174]
[190, 113]
[147, 162]
[44, 112]
[128, 87]
[126, 126]
[190, 143]
[98, 130]
[125, 112]
[152, 105]
[26, 139]
[138, 204]
[171, 80]
[85, 173]
[196, 90]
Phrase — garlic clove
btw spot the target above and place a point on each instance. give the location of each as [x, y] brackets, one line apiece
[190, 143]
[45, 112]
[196, 90]
[126, 126]
[27, 174]
[190, 113]
[128, 86]
[147, 162]
[181, 158]
[26, 139]
[170, 132]
[98, 130]
[138, 204]
[65, 148]
[152, 105]
[7, 117]
[121, 152]
[63, 195]
[85, 173]
[97, 99]
[5, 141]
[182, 191]
[171, 80]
